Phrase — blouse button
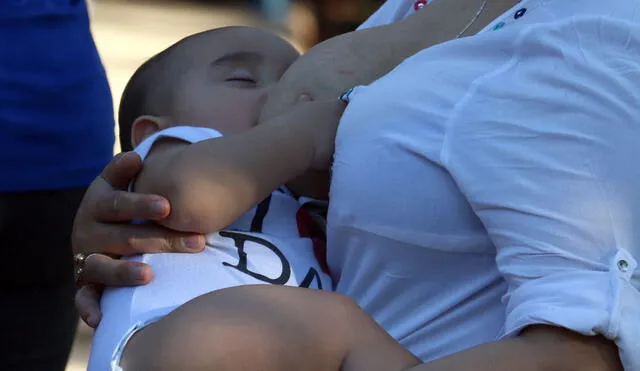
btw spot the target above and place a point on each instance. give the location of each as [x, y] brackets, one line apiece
[623, 266]
[520, 13]
[419, 4]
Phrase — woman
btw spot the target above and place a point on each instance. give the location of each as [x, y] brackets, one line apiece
[482, 203]
[56, 123]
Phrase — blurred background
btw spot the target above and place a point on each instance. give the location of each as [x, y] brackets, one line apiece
[128, 32]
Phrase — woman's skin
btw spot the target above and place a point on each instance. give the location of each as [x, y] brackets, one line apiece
[323, 72]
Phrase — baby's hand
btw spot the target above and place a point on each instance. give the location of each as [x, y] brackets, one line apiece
[316, 123]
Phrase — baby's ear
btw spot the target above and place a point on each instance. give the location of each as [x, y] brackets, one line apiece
[145, 126]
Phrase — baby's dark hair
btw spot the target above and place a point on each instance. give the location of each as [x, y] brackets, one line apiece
[135, 100]
[149, 90]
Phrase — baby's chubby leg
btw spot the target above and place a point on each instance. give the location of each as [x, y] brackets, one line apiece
[266, 328]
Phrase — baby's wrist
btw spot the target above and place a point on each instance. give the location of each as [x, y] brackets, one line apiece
[296, 140]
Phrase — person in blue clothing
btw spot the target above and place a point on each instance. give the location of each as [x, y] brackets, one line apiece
[56, 125]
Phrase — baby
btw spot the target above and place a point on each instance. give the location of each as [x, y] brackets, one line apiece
[206, 86]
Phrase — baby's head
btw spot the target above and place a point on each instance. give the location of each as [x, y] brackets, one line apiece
[217, 79]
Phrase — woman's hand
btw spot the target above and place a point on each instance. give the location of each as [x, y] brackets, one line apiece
[102, 226]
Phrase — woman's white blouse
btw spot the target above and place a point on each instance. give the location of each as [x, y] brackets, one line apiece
[490, 183]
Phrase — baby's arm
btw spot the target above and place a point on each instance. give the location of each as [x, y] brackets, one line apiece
[211, 183]
[267, 328]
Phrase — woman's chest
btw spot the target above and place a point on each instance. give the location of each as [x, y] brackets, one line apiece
[398, 197]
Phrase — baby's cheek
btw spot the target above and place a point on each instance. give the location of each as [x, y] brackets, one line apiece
[242, 112]
[228, 116]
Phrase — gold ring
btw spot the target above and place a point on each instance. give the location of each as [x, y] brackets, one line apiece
[79, 262]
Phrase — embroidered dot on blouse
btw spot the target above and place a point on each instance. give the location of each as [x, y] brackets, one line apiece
[419, 4]
[623, 266]
[520, 13]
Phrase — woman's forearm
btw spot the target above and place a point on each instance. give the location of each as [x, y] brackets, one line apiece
[541, 348]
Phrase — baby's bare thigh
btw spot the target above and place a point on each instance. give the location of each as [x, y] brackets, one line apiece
[258, 327]
[266, 328]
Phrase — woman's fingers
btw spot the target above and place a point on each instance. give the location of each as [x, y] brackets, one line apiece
[88, 305]
[107, 199]
[122, 170]
[119, 206]
[104, 270]
[92, 235]
[96, 228]
[132, 239]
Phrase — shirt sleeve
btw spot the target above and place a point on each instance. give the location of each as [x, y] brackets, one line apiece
[545, 150]
[189, 134]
